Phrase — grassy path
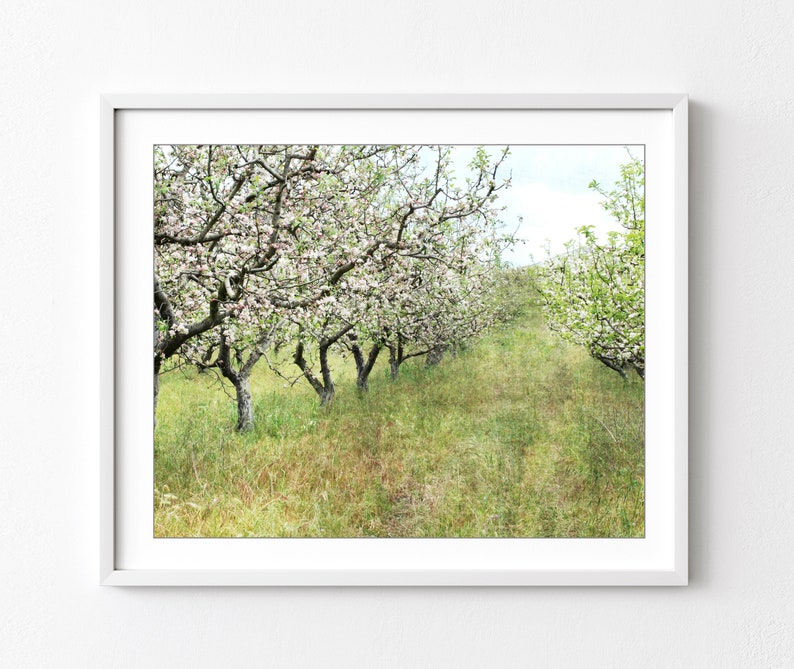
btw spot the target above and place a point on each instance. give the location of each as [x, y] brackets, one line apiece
[517, 436]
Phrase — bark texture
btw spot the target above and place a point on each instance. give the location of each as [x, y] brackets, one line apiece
[435, 355]
[324, 386]
[396, 357]
[245, 405]
[156, 393]
[620, 369]
[241, 377]
[364, 364]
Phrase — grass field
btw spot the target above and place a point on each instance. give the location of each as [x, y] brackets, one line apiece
[518, 436]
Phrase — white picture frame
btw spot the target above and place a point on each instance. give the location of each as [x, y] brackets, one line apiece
[128, 557]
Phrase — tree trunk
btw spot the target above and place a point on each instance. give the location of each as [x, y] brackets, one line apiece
[396, 358]
[329, 389]
[394, 363]
[156, 393]
[364, 366]
[327, 396]
[325, 389]
[434, 356]
[612, 365]
[245, 405]
[241, 380]
[156, 387]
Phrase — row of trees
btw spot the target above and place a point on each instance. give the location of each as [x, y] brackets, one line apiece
[361, 249]
[594, 293]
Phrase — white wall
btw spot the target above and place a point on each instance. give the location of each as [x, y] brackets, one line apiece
[734, 58]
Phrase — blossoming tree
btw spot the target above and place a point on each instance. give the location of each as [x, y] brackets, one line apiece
[225, 227]
[304, 244]
[594, 294]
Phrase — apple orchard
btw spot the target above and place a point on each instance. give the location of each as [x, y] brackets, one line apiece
[291, 256]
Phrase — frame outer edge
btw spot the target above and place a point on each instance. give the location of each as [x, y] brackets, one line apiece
[107, 339]
[109, 575]
[681, 145]
[391, 578]
[559, 101]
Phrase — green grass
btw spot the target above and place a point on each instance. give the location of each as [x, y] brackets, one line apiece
[518, 436]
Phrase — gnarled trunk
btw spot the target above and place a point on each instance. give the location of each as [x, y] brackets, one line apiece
[435, 355]
[242, 388]
[327, 395]
[620, 369]
[156, 387]
[324, 388]
[396, 358]
[241, 380]
[364, 365]
[156, 393]
[245, 405]
[329, 389]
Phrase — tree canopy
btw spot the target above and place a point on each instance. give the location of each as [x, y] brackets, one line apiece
[594, 292]
[319, 247]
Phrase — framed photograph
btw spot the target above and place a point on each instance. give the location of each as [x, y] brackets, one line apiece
[394, 340]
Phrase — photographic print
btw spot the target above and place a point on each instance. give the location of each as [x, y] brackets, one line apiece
[399, 341]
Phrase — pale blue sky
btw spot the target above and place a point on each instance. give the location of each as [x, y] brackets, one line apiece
[550, 192]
